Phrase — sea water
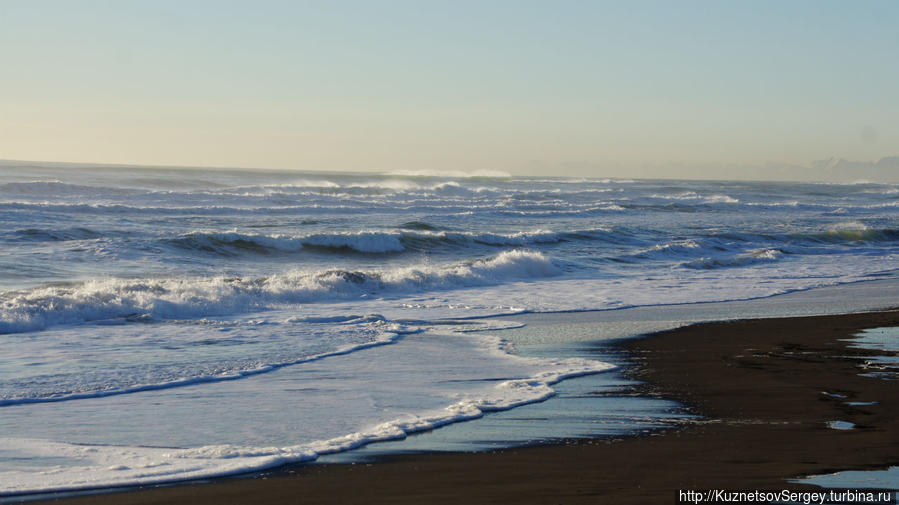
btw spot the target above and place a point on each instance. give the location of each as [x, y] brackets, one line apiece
[168, 324]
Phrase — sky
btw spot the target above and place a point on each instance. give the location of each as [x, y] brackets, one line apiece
[578, 88]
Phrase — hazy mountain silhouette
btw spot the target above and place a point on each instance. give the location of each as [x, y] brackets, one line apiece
[842, 170]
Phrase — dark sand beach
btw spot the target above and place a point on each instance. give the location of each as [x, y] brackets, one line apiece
[766, 390]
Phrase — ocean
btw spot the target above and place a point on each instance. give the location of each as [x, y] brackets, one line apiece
[169, 324]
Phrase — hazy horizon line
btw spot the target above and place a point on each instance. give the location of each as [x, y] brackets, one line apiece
[832, 163]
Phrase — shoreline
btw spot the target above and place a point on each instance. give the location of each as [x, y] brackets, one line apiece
[760, 389]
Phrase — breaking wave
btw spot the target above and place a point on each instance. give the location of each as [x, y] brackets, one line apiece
[152, 299]
[741, 260]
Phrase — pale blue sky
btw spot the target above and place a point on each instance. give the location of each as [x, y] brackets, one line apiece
[584, 88]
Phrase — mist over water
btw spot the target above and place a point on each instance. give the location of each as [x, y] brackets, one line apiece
[122, 286]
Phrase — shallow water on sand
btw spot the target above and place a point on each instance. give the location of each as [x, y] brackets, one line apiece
[602, 405]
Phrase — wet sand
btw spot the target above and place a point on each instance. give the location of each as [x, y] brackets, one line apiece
[759, 384]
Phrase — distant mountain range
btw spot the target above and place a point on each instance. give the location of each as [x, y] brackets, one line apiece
[839, 169]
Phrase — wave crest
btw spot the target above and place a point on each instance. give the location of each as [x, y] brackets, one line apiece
[741, 260]
[179, 299]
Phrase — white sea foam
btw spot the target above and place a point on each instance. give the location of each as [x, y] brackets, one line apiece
[353, 420]
[178, 298]
[692, 195]
[180, 353]
[672, 249]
